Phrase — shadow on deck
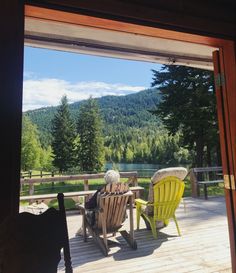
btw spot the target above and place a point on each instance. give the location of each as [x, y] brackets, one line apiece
[203, 246]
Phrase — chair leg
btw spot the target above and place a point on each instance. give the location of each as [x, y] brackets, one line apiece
[100, 242]
[177, 226]
[104, 230]
[138, 214]
[154, 230]
[84, 229]
[84, 224]
[129, 239]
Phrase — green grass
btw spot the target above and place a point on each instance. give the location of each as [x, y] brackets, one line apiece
[69, 204]
[71, 186]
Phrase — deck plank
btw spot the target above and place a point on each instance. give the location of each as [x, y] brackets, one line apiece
[202, 248]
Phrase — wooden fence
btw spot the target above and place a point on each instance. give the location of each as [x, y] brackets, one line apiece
[29, 174]
[131, 176]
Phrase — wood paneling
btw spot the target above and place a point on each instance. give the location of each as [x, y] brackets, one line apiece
[78, 19]
[212, 18]
[11, 78]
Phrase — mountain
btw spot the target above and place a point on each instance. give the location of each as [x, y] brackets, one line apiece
[118, 113]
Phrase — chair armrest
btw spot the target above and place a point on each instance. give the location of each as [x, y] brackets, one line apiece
[95, 210]
[83, 209]
[80, 206]
[141, 202]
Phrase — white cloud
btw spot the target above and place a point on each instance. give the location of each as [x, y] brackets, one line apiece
[48, 92]
[29, 75]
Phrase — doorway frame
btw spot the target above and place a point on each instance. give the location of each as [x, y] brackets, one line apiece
[228, 69]
[11, 55]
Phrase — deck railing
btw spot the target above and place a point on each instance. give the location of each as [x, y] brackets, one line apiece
[131, 176]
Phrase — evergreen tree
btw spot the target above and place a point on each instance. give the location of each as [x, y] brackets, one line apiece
[89, 126]
[64, 134]
[30, 145]
[46, 158]
[188, 104]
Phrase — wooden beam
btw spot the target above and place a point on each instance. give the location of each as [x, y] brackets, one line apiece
[181, 15]
[109, 24]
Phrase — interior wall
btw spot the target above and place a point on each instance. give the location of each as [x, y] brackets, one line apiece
[11, 79]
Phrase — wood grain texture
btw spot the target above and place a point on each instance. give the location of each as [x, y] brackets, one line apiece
[226, 101]
[207, 17]
[202, 248]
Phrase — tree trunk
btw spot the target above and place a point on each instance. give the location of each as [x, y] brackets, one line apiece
[199, 156]
[199, 152]
[209, 161]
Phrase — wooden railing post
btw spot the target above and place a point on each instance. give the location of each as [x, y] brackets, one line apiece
[194, 186]
[135, 184]
[86, 188]
[52, 182]
[135, 180]
[31, 191]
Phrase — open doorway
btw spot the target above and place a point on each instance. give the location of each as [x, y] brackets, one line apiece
[173, 60]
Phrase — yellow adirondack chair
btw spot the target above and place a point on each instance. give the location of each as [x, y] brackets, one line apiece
[167, 196]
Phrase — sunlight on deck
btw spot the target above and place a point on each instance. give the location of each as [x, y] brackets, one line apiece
[203, 247]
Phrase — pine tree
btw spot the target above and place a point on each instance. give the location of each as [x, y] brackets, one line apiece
[64, 134]
[188, 104]
[89, 126]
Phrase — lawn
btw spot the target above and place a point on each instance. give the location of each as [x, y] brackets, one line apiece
[70, 186]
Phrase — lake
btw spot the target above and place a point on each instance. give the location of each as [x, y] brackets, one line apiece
[144, 170]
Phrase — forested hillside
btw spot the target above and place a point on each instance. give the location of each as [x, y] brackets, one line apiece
[131, 133]
[119, 113]
[172, 123]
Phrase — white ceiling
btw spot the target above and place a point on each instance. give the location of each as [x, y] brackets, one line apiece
[102, 42]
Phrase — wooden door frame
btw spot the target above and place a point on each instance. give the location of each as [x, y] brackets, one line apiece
[227, 56]
[228, 60]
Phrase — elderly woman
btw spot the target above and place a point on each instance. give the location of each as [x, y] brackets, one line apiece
[110, 177]
[178, 172]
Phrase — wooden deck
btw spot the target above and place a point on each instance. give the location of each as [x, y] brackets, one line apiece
[203, 246]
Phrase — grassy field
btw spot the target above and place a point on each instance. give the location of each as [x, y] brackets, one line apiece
[71, 186]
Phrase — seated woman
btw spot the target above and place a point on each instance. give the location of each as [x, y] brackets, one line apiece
[110, 177]
[178, 172]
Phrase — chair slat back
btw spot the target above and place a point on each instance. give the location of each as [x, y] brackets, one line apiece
[113, 200]
[167, 196]
[34, 242]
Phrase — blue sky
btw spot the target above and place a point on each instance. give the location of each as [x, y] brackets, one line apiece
[50, 74]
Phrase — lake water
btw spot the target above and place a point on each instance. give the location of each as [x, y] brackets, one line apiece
[144, 170]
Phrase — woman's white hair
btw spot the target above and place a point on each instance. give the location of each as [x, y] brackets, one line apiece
[112, 176]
